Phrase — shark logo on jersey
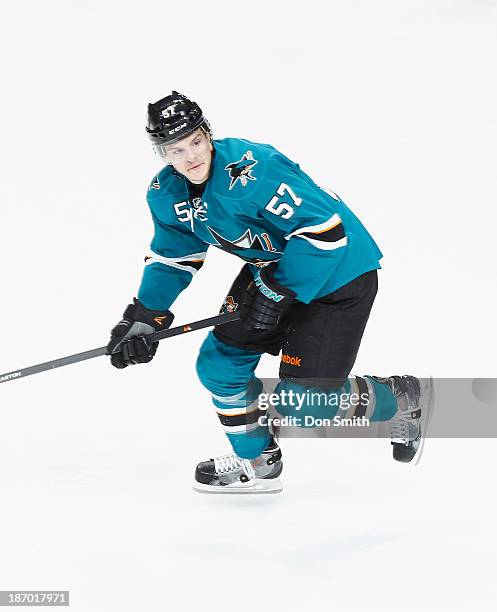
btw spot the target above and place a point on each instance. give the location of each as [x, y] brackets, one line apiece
[241, 170]
[248, 248]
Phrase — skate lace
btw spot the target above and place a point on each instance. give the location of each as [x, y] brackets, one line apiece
[231, 463]
[399, 432]
[407, 394]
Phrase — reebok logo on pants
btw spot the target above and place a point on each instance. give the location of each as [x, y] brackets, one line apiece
[295, 361]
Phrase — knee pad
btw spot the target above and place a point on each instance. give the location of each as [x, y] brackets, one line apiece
[207, 373]
[225, 370]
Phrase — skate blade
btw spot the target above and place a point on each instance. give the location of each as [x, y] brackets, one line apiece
[430, 392]
[258, 485]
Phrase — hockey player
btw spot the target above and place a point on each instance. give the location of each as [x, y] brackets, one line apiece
[306, 289]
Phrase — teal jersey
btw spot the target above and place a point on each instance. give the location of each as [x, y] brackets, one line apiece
[261, 207]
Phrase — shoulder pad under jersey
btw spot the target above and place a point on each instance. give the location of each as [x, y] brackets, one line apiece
[241, 167]
[165, 183]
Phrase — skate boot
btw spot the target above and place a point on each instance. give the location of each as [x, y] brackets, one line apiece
[414, 401]
[232, 474]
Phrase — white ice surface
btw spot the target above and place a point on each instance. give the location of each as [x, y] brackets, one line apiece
[391, 104]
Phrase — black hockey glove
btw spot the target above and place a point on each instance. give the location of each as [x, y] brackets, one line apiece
[265, 302]
[128, 344]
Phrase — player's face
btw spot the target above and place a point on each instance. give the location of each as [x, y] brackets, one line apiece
[192, 156]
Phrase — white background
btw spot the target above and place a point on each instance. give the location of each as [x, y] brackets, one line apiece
[391, 104]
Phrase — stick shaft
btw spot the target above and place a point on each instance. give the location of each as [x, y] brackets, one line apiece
[166, 333]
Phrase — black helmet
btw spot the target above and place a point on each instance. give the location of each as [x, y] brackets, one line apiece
[173, 118]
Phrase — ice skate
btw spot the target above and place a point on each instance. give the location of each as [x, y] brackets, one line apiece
[408, 428]
[232, 474]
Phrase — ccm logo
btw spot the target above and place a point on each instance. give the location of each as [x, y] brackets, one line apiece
[177, 129]
[295, 361]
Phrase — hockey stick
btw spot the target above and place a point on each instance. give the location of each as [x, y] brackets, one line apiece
[166, 333]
